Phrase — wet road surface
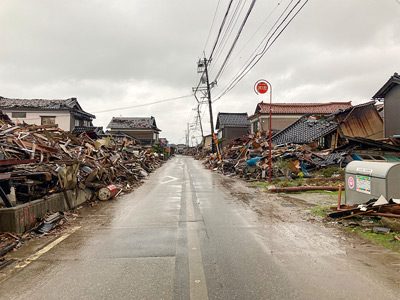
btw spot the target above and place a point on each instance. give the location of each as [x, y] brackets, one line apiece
[183, 236]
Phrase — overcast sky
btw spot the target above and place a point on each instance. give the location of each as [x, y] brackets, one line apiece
[116, 54]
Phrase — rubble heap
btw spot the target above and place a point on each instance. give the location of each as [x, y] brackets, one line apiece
[39, 160]
[247, 157]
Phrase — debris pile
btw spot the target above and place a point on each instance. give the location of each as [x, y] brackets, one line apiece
[248, 158]
[313, 142]
[375, 207]
[39, 160]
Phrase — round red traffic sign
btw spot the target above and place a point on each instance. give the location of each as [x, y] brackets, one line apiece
[261, 87]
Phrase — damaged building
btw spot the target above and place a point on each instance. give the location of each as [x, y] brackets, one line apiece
[285, 114]
[144, 130]
[67, 114]
[331, 131]
[231, 125]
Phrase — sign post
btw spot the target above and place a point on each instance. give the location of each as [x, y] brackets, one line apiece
[261, 87]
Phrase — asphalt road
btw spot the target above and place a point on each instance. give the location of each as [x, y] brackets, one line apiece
[182, 235]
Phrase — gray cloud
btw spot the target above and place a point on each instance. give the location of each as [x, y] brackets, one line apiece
[122, 53]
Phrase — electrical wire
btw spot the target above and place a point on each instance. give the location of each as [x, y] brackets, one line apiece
[212, 25]
[254, 55]
[255, 32]
[145, 104]
[220, 29]
[228, 31]
[235, 40]
[267, 46]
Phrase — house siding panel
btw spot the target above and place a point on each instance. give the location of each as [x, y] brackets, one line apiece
[63, 118]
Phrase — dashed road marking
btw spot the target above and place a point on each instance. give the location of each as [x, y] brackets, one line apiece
[171, 179]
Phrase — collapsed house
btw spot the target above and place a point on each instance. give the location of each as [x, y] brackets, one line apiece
[312, 142]
[332, 131]
[285, 114]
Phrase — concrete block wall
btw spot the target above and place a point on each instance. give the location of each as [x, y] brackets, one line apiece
[23, 217]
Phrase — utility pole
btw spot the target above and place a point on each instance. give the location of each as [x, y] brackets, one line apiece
[198, 114]
[202, 68]
[209, 105]
[187, 135]
[199, 118]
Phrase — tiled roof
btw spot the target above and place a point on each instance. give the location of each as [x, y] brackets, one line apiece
[232, 120]
[302, 108]
[305, 130]
[133, 123]
[391, 83]
[81, 129]
[70, 104]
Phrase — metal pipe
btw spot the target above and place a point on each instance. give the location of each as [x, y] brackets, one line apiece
[302, 189]
[270, 134]
[339, 197]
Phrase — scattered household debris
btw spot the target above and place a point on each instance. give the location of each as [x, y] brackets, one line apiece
[8, 242]
[50, 222]
[36, 161]
[374, 207]
[312, 144]
[248, 157]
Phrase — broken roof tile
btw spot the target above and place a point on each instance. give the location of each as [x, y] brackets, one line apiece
[133, 123]
[302, 108]
[305, 130]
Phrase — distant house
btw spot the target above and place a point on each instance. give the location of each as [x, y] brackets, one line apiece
[67, 114]
[231, 126]
[390, 94]
[180, 148]
[142, 129]
[284, 114]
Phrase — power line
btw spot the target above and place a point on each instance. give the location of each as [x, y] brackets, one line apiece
[255, 32]
[220, 29]
[236, 39]
[145, 104]
[267, 46]
[212, 25]
[228, 31]
[253, 54]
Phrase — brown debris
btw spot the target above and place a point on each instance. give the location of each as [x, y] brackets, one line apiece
[36, 161]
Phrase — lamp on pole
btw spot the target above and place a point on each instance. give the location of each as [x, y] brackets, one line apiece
[262, 87]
